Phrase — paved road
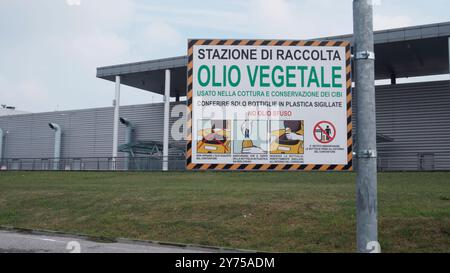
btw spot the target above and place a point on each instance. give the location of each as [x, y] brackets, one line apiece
[14, 242]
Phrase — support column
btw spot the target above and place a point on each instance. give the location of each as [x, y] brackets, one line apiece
[366, 201]
[165, 165]
[116, 124]
[449, 56]
[393, 79]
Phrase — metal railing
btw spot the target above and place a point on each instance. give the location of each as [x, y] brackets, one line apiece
[92, 164]
[386, 162]
[405, 161]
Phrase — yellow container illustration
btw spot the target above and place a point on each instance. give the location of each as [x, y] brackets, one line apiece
[289, 140]
[215, 140]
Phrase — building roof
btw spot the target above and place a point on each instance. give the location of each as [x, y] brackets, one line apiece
[403, 34]
[11, 112]
[150, 75]
[404, 52]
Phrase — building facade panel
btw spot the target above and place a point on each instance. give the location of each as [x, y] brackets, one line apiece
[416, 116]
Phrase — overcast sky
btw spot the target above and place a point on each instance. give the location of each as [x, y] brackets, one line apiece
[49, 50]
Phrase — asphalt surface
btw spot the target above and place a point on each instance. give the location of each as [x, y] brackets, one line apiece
[16, 242]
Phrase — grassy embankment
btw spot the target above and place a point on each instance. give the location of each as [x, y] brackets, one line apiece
[285, 212]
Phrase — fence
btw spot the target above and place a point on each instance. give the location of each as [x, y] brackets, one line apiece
[92, 164]
[386, 162]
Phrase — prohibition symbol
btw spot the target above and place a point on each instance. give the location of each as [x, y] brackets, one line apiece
[324, 132]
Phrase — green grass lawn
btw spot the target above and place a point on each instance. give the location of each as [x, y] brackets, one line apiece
[283, 212]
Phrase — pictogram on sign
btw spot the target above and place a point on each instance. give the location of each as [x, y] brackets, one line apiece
[324, 132]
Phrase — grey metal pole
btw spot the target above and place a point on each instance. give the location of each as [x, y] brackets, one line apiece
[449, 56]
[57, 149]
[367, 227]
[128, 138]
[116, 124]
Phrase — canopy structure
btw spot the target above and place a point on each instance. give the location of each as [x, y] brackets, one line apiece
[402, 52]
[150, 75]
[409, 52]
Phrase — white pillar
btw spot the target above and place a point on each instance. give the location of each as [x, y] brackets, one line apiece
[116, 123]
[165, 165]
[1, 147]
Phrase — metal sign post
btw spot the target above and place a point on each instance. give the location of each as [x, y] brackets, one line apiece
[367, 227]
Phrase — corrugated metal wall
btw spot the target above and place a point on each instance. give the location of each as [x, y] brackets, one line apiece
[85, 133]
[416, 116]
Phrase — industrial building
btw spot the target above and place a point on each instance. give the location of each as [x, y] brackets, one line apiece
[413, 119]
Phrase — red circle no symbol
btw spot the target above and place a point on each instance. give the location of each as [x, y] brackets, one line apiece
[324, 132]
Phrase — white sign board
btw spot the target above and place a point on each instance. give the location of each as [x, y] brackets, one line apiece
[258, 105]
